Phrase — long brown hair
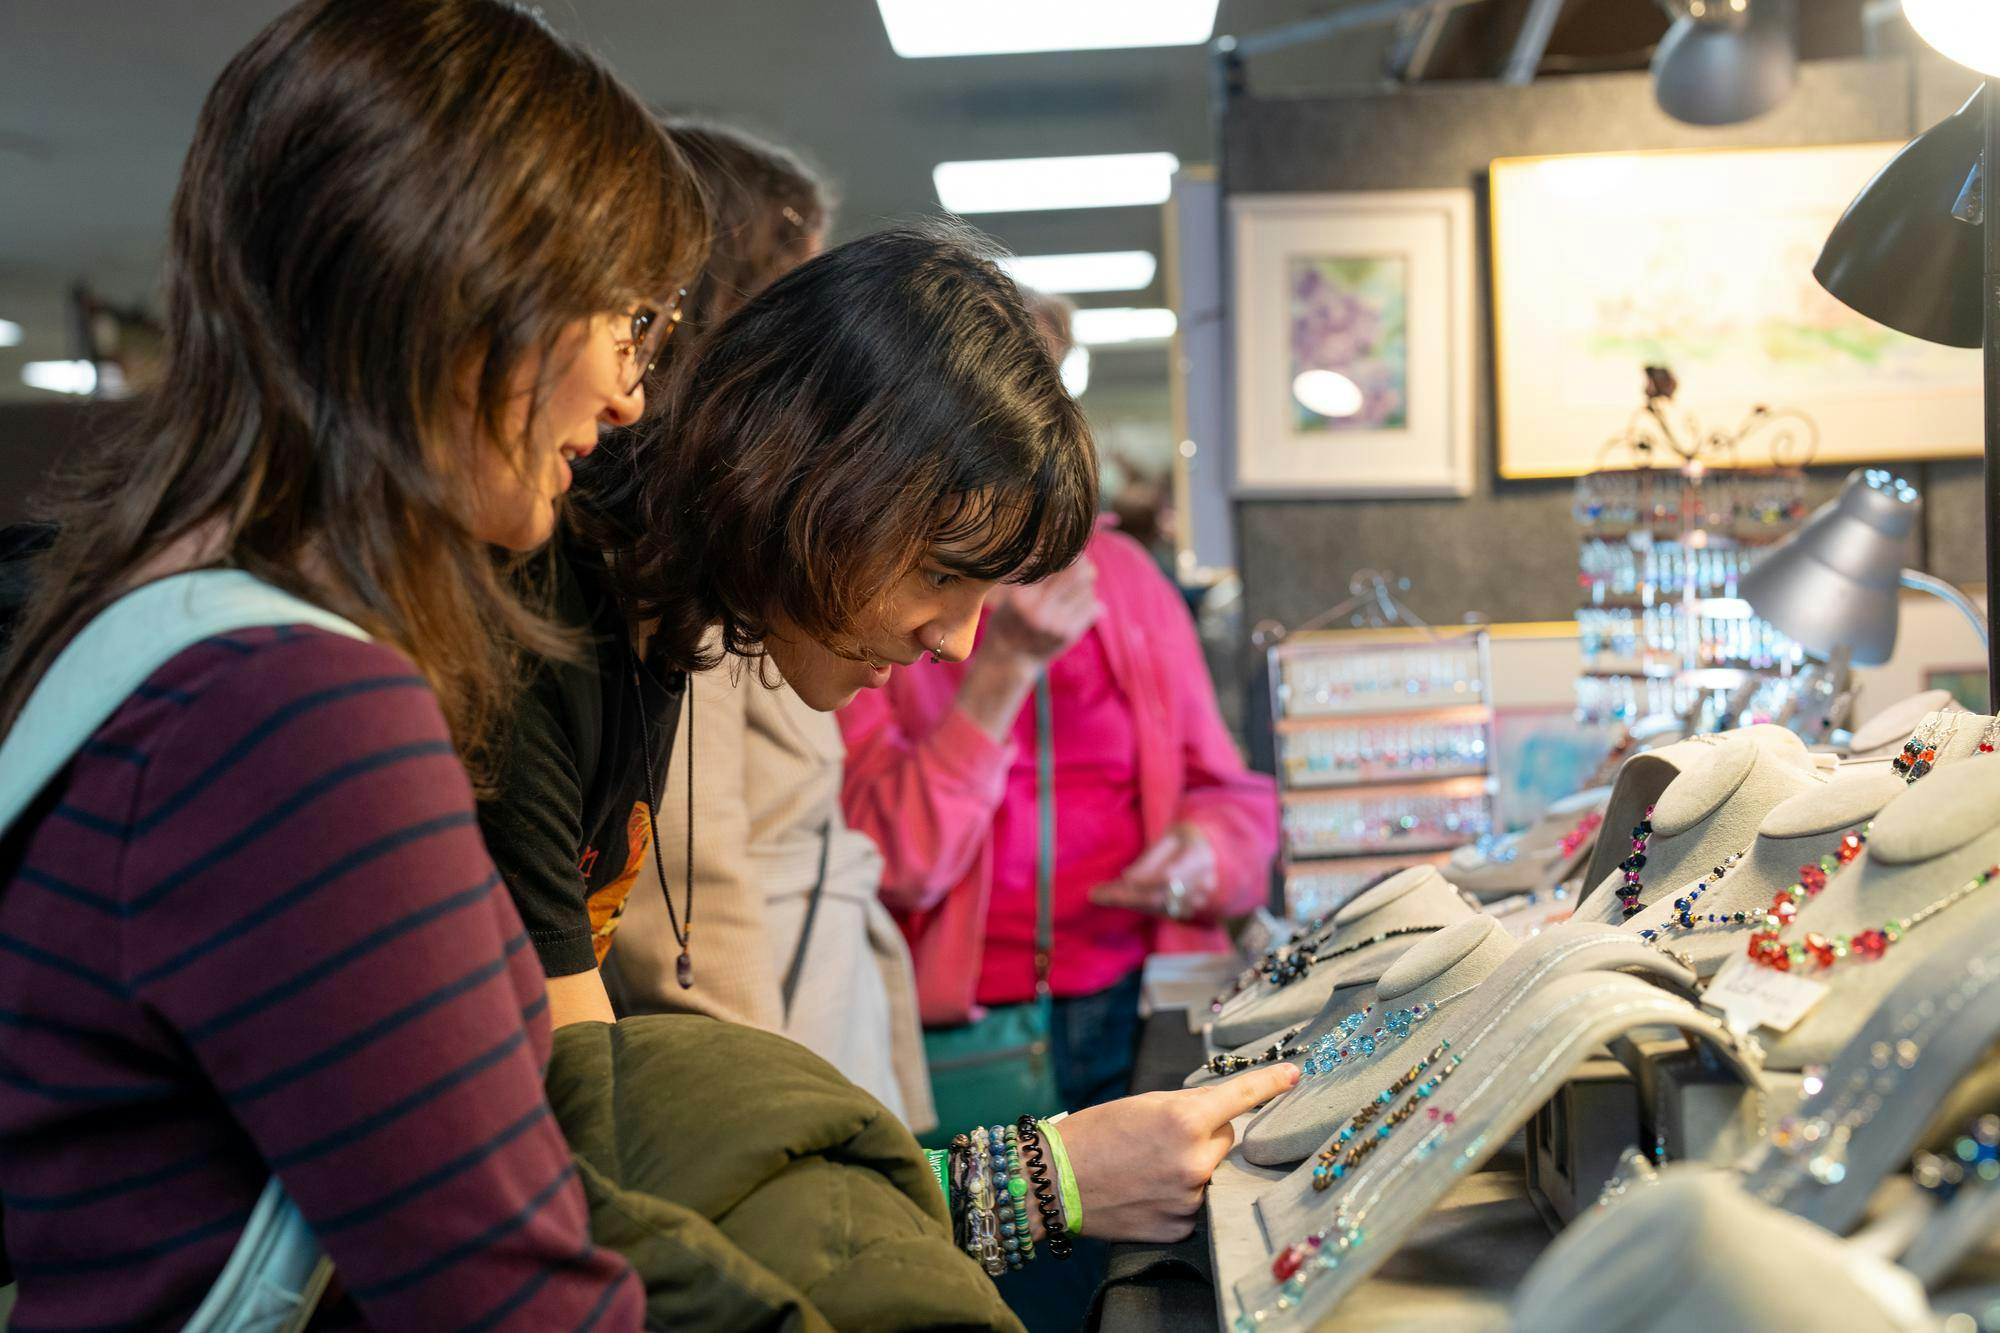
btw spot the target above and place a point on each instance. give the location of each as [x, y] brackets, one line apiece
[887, 400]
[384, 200]
[765, 206]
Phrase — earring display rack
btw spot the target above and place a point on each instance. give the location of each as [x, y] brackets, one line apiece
[1384, 742]
[1661, 627]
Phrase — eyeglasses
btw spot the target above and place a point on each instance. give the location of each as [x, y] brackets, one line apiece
[650, 331]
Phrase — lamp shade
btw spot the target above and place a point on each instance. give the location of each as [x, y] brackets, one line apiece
[1719, 66]
[1833, 583]
[1899, 255]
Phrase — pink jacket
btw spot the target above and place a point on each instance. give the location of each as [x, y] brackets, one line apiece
[926, 783]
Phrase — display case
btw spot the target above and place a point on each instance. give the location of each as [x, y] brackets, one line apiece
[1384, 746]
[1661, 627]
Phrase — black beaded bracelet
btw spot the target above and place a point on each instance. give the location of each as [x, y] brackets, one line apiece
[960, 1146]
[1056, 1231]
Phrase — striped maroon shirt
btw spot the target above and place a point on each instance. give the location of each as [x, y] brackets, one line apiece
[252, 928]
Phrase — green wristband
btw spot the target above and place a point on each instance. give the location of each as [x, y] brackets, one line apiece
[1072, 1199]
[940, 1167]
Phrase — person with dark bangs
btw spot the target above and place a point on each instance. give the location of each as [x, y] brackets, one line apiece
[794, 937]
[843, 470]
[421, 254]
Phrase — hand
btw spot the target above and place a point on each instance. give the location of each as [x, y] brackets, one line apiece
[1142, 1163]
[1033, 624]
[1183, 858]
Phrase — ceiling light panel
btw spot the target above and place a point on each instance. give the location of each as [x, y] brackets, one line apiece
[10, 333]
[1106, 271]
[60, 376]
[920, 28]
[1036, 184]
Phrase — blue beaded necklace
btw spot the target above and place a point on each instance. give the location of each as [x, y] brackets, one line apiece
[1347, 1044]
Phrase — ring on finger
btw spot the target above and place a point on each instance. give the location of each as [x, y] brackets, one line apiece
[1177, 899]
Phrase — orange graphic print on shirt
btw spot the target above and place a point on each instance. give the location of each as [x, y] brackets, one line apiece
[607, 904]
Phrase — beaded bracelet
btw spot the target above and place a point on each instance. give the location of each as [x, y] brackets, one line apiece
[1017, 1186]
[1047, 1199]
[1004, 1186]
[1072, 1197]
[982, 1225]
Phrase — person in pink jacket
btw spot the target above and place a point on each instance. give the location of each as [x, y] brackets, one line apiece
[1162, 832]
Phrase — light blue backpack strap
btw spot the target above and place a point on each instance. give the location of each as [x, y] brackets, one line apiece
[274, 1278]
[276, 1274]
[112, 656]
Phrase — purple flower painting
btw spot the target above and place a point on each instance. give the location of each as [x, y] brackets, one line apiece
[1350, 343]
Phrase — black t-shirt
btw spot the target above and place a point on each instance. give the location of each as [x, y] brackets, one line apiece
[571, 821]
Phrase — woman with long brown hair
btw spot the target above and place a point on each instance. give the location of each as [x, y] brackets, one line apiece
[422, 251]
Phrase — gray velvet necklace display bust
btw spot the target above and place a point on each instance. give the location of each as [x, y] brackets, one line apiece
[1796, 832]
[1893, 1082]
[1488, 1097]
[1883, 734]
[1532, 858]
[1442, 966]
[1655, 1260]
[1932, 838]
[1399, 910]
[1710, 810]
[1304, 1120]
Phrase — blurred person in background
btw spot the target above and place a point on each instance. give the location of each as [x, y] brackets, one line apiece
[794, 936]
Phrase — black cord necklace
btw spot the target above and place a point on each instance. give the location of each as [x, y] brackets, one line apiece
[683, 924]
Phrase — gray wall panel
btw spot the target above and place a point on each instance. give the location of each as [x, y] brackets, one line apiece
[1509, 550]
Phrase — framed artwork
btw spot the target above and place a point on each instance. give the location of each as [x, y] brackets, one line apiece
[1967, 684]
[1701, 261]
[1354, 343]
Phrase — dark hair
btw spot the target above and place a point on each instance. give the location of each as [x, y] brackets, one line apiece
[882, 401]
[765, 207]
[384, 199]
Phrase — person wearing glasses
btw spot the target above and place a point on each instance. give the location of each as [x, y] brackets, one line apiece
[581, 759]
[249, 934]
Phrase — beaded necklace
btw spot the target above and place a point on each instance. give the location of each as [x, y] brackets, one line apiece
[1812, 1143]
[1343, 1047]
[1308, 956]
[1628, 891]
[1281, 1049]
[1572, 841]
[1311, 934]
[1768, 948]
[1324, 1250]
[1683, 917]
[1329, 1167]
[1362, 1118]
[1989, 735]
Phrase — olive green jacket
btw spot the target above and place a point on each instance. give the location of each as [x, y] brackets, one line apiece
[753, 1187]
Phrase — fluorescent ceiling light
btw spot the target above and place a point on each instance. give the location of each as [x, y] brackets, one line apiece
[1967, 31]
[1107, 271]
[984, 28]
[1030, 184]
[1075, 370]
[60, 376]
[10, 333]
[1100, 328]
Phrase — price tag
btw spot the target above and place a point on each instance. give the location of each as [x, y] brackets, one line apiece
[1750, 997]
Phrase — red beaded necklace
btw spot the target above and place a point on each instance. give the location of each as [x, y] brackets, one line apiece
[1769, 948]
